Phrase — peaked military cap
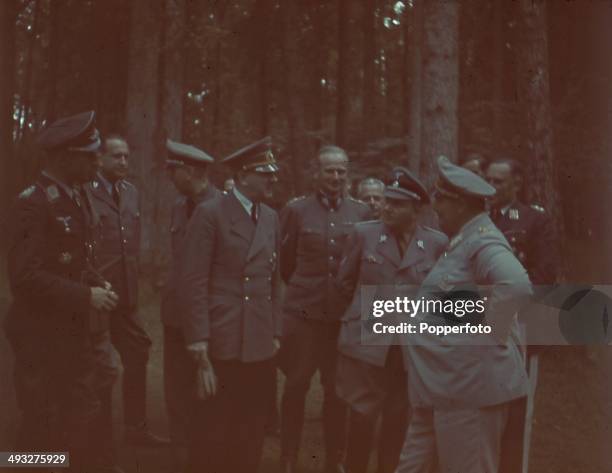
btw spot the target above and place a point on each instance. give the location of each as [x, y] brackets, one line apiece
[405, 186]
[180, 154]
[455, 181]
[74, 133]
[256, 157]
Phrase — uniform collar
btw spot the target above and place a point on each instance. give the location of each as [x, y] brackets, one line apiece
[60, 183]
[330, 203]
[108, 185]
[246, 203]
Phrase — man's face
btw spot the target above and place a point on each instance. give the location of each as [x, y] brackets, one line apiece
[114, 159]
[259, 185]
[373, 195]
[500, 176]
[181, 178]
[447, 209]
[333, 173]
[398, 214]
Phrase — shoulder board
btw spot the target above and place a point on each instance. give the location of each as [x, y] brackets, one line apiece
[537, 207]
[27, 192]
[296, 199]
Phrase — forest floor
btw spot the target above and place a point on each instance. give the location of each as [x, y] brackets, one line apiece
[572, 424]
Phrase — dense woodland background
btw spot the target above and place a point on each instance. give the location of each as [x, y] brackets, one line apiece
[394, 82]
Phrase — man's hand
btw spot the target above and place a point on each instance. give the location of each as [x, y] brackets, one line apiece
[103, 298]
[206, 382]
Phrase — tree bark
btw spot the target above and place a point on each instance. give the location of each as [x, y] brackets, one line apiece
[534, 97]
[414, 45]
[8, 17]
[369, 112]
[440, 85]
[342, 96]
[294, 125]
[142, 110]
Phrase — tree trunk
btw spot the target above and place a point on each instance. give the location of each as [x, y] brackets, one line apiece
[169, 121]
[142, 110]
[534, 97]
[440, 85]
[342, 94]
[369, 110]
[8, 17]
[413, 29]
[289, 52]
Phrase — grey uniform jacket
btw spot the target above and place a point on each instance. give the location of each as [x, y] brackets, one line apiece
[314, 235]
[443, 373]
[229, 280]
[372, 258]
[117, 238]
[179, 220]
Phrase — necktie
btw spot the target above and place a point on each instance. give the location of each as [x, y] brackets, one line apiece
[254, 212]
[115, 193]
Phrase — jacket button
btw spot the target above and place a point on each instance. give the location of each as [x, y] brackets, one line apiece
[269, 278]
[332, 241]
[331, 224]
[246, 278]
[246, 298]
[124, 241]
[269, 298]
[331, 258]
[122, 228]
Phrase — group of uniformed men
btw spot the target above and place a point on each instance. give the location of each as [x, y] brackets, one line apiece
[249, 291]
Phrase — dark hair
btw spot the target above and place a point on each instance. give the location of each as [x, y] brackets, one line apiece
[111, 136]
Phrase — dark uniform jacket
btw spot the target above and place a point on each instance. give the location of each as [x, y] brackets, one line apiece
[372, 258]
[528, 230]
[49, 262]
[117, 238]
[313, 237]
[229, 281]
[178, 228]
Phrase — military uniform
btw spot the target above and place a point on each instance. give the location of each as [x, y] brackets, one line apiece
[314, 232]
[371, 376]
[116, 215]
[61, 344]
[179, 367]
[228, 289]
[528, 230]
[461, 394]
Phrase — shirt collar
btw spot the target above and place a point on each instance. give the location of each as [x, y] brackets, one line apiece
[108, 185]
[246, 203]
[63, 185]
